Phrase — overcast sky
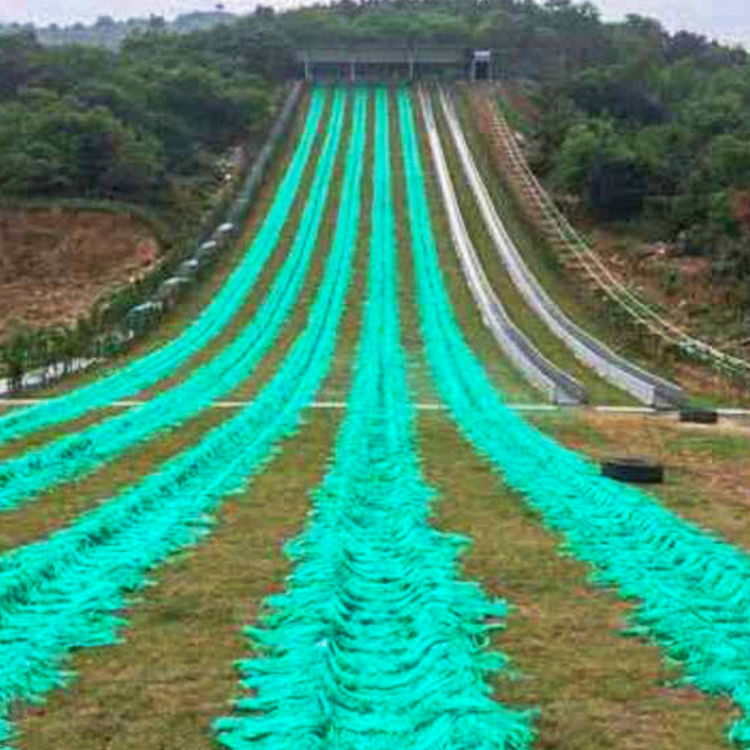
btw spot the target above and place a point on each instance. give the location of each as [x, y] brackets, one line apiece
[728, 20]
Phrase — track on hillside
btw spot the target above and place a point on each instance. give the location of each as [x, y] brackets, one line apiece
[375, 644]
[61, 593]
[646, 387]
[559, 386]
[376, 638]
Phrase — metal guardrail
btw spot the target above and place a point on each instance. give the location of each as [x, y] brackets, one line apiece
[45, 376]
[646, 387]
[263, 160]
[556, 226]
[557, 384]
[144, 315]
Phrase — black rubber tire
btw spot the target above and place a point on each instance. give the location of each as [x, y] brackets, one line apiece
[699, 416]
[633, 470]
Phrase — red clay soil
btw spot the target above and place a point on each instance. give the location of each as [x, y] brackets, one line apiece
[54, 264]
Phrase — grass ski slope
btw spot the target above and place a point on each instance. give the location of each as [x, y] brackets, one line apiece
[384, 628]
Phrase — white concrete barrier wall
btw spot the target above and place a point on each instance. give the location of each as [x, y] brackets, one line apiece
[645, 386]
[559, 386]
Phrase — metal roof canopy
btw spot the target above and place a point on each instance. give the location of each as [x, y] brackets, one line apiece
[384, 53]
[367, 59]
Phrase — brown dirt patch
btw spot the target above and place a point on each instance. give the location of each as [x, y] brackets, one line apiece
[55, 263]
[513, 93]
[681, 284]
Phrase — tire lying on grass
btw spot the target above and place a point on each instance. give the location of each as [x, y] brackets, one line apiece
[699, 416]
[634, 470]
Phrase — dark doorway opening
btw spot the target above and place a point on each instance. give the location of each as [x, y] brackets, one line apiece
[481, 70]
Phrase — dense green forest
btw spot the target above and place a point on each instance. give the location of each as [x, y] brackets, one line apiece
[639, 124]
[137, 125]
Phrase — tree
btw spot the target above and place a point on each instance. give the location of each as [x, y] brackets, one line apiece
[585, 146]
[684, 44]
[157, 24]
[215, 108]
[664, 151]
[597, 163]
[63, 69]
[609, 92]
[17, 57]
[617, 188]
[714, 113]
[729, 161]
[52, 147]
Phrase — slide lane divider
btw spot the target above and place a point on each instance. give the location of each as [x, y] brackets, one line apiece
[375, 645]
[691, 587]
[152, 367]
[645, 386]
[73, 456]
[560, 387]
[65, 592]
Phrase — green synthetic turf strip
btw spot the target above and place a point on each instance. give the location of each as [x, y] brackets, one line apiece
[693, 588]
[376, 645]
[147, 370]
[72, 456]
[65, 592]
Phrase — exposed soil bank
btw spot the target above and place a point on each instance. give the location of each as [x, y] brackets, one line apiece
[55, 263]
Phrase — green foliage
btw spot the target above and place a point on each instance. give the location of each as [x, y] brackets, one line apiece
[596, 162]
[587, 145]
[148, 126]
[216, 108]
[53, 146]
[17, 53]
[85, 122]
[655, 120]
[664, 152]
[635, 118]
[729, 161]
[714, 113]
[618, 188]
[605, 92]
[516, 119]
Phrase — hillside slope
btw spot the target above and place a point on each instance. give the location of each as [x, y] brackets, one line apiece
[55, 263]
